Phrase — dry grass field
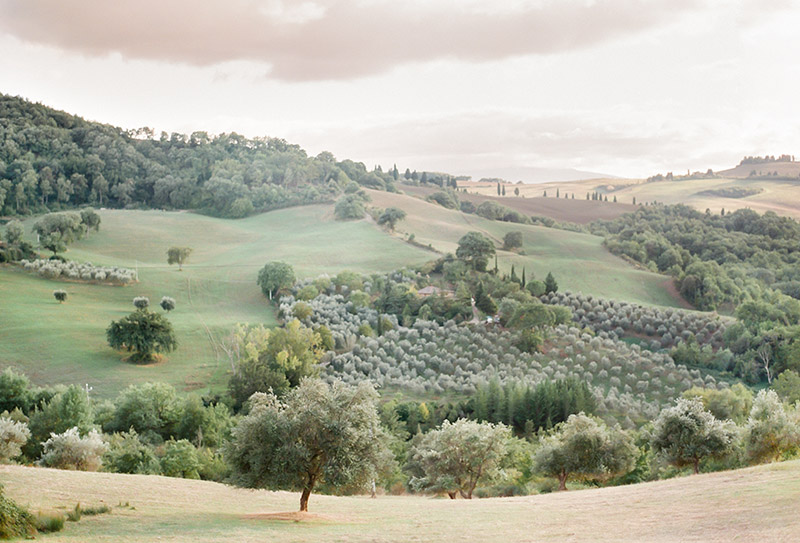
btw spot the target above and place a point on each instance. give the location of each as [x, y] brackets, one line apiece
[754, 504]
[779, 195]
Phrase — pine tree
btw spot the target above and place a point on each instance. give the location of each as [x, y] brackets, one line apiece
[504, 190]
[523, 277]
[498, 189]
[558, 193]
[550, 284]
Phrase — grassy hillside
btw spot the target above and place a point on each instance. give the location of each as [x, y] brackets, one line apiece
[66, 343]
[779, 195]
[579, 261]
[745, 505]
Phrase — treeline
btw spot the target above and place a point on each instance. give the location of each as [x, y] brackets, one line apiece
[51, 160]
[766, 159]
[716, 259]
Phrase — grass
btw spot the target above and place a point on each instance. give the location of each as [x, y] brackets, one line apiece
[578, 261]
[66, 343]
[745, 505]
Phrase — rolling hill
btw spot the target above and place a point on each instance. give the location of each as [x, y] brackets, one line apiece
[744, 505]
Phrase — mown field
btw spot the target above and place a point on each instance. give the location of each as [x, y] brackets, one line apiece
[579, 261]
[754, 504]
[777, 195]
[66, 343]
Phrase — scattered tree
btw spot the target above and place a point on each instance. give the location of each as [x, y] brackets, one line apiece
[141, 302]
[13, 232]
[178, 255]
[317, 434]
[456, 457]
[391, 216]
[167, 303]
[584, 447]
[475, 249]
[143, 333]
[550, 284]
[274, 277]
[686, 433]
[512, 240]
[60, 295]
[770, 431]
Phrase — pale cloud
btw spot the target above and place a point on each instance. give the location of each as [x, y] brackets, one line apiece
[330, 39]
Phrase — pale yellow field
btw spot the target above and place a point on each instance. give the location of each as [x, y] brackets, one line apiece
[755, 504]
[780, 196]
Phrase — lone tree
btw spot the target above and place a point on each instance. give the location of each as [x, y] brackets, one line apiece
[457, 456]
[141, 302]
[512, 240]
[60, 295]
[143, 333]
[318, 433]
[391, 216]
[167, 303]
[686, 433]
[178, 255]
[475, 249]
[275, 276]
[584, 447]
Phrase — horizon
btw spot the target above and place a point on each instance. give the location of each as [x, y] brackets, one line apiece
[625, 89]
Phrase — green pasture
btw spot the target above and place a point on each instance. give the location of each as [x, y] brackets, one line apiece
[66, 343]
[579, 262]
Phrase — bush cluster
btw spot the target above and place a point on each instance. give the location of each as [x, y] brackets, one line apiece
[74, 271]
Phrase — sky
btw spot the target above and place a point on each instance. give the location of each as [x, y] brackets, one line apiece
[520, 89]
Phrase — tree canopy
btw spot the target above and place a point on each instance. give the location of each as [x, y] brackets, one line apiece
[275, 276]
[143, 333]
[391, 216]
[459, 455]
[585, 447]
[686, 433]
[475, 249]
[318, 433]
[178, 255]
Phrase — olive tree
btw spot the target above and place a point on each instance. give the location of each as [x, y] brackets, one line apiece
[60, 295]
[770, 430]
[457, 456]
[391, 216]
[14, 232]
[583, 447]
[178, 255]
[142, 333]
[275, 276]
[318, 433]
[686, 433]
[13, 435]
[167, 303]
[57, 230]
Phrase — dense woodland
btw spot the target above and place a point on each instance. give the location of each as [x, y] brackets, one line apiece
[51, 160]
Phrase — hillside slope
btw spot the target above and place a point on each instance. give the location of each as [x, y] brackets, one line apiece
[66, 343]
[579, 262]
[754, 504]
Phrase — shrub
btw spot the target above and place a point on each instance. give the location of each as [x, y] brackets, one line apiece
[13, 435]
[49, 522]
[127, 454]
[180, 460]
[71, 451]
[15, 521]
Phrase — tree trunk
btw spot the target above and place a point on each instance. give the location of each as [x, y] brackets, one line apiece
[452, 495]
[562, 480]
[304, 499]
[696, 466]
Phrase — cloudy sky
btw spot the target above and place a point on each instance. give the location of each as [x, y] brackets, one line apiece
[478, 87]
